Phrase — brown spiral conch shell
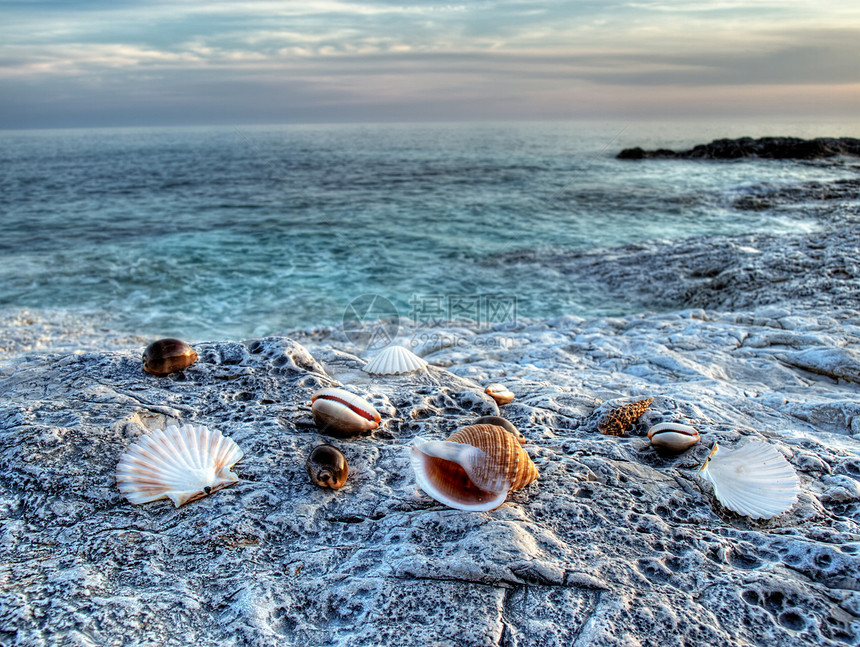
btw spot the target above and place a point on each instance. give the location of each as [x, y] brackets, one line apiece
[337, 412]
[500, 393]
[327, 466]
[673, 436]
[474, 469]
[167, 356]
[615, 422]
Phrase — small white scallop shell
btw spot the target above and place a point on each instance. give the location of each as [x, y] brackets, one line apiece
[673, 436]
[394, 360]
[754, 480]
[500, 393]
[178, 463]
[338, 412]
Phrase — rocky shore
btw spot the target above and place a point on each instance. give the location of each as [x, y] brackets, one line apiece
[764, 147]
[747, 337]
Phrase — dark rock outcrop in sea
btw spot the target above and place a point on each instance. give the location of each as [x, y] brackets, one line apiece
[764, 147]
[819, 269]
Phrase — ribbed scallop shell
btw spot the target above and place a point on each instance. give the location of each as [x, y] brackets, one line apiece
[178, 463]
[338, 412]
[616, 421]
[673, 436]
[394, 360]
[754, 480]
[474, 469]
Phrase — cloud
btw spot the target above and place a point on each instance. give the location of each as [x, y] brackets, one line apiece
[223, 60]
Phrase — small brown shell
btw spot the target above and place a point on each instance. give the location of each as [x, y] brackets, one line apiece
[167, 356]
[327, 466]
[453, 473]
[500, 393]
[615, 422]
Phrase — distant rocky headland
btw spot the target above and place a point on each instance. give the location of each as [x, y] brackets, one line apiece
[764, 147]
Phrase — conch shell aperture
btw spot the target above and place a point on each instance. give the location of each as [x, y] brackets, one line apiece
[474, 469]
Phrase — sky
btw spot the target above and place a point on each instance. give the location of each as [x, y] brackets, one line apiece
[188, 62]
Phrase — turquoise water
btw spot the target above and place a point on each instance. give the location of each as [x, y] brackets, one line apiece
[235, 232]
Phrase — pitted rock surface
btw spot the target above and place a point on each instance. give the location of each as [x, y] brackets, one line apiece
[614, 544]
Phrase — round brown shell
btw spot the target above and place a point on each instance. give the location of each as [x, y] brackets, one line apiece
[167, 356]
[327, 466]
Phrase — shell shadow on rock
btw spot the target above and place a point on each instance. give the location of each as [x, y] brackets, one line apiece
[474, 469]
[327, 467]
[167, 356]
[394, 360]
[339, 413]
[178, 463]
[617, 421]
[754, 480]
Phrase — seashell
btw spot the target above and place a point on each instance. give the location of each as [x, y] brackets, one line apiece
[616, 421]
[673, 436]
[338, 412]
[474, 469]
[498, 421]
[178, 463]
[327, 467]
[754, 480]
[500, 393]
[394, 360]
[167, 356]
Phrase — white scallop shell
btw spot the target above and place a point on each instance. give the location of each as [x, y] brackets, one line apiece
[394, 360]
[178, 463]
[754, 480]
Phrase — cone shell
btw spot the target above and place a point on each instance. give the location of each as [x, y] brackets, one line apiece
[673, 436]
[474, 469]
[327, 467]
[394, 360]
[500, 393]
[167, 356]
[178, 463]
[337, 412]
[754, 480]
[615, 422]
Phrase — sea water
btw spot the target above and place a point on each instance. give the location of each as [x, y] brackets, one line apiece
[233, 232]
